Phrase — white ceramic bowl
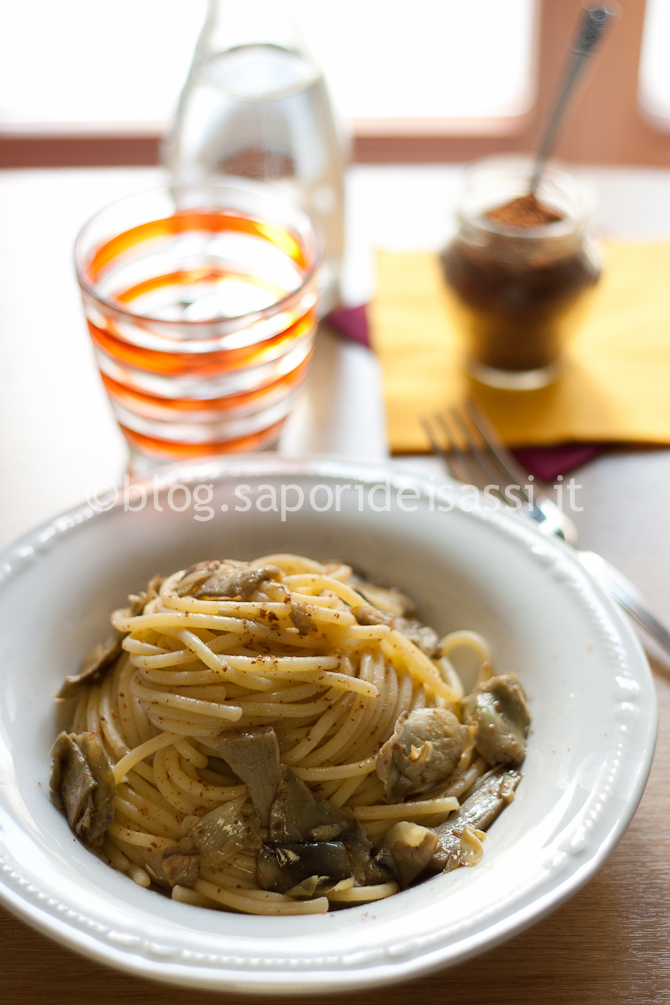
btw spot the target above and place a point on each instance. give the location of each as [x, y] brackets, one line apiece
[589, 753]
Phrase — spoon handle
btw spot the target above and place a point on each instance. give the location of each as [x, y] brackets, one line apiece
[591, 29]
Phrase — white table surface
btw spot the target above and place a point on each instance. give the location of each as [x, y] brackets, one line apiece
[57, 433]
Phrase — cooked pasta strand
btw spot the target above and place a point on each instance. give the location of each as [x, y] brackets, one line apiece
[139, 753]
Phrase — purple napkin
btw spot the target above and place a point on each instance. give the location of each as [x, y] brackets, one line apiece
[352, 322]
[545, 463]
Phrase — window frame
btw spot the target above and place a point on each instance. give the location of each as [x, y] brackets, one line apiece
[606, 124]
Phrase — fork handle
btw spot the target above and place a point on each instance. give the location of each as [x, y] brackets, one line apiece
[627, 595]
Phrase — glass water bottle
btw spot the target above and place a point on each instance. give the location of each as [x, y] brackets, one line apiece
[255, 105]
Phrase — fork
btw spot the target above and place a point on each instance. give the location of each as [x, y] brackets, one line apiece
[474, 454]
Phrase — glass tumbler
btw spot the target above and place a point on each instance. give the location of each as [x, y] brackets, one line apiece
[202, 306]
[518, 288]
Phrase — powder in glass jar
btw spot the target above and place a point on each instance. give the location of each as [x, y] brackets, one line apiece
[524, 211]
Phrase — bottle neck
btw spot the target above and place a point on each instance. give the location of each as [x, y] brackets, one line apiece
[233, 23]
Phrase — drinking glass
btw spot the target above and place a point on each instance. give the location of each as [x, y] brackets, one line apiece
[202, 304]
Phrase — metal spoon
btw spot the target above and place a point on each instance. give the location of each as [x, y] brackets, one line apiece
[591, 29]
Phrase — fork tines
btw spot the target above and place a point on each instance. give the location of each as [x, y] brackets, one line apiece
[472, 450]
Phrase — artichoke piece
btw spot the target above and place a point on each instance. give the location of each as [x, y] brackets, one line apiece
[405, 851]
[99, 659]
[425, 638]
[478, 812]
[424, 749]
[358, 849]
[174, 868]
[302, 619]
[254, 757]
[499, 710]
[194, 576]
[298, 816]
[387, 599]
[236, 579]
[103, 656]
[283, 867]
[306, 889]
[366, 614]
[214, 838]
[222, 831]
[82, 783]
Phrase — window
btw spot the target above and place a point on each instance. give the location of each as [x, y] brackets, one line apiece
[655, 65]
[93, 65]
[431, 59]
[90, 65]
[96, 81]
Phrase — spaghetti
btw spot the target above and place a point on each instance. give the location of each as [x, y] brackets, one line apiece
[278, 736]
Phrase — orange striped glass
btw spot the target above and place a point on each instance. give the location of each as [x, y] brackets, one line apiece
[202, 307]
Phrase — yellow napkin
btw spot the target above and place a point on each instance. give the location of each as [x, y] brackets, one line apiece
[616, 385]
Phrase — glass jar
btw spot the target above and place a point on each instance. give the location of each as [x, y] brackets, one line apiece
[518, 292]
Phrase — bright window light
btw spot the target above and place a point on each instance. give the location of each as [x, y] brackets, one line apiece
[425, 59]
[654, 63]
[92, 63]
[83, 62]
